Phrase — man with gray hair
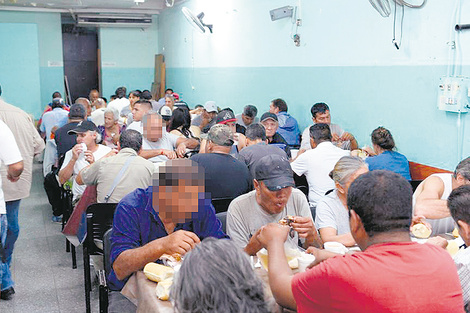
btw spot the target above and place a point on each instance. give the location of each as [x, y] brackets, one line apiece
[137, 170]
[430, 198]
[226, 177]
[85, 152]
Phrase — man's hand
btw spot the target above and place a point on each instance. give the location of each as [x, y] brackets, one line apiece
[169, 154]
[181, 241]
[335, 137]
[181, 150]
[438, 241]
[254, 245]
[271, 233]
[304, 226]
[13, 179]
[346, 137]
[320, 255]
[417, 219]
[89, 157]
[76, 150]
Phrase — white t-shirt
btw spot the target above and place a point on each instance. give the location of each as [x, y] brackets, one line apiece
[332, 213]
[119, 104]
[138, 126]
[81, 163]
[97, 116]
[167, 142]
[9, 154]
[317, 164]
[245, 216]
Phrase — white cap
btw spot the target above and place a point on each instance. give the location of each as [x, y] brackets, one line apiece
[210, 106]
[165, 111]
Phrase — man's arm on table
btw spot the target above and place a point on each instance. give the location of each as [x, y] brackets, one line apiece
[183, 143]
[132, 260]
[148, 154]
[429, 203]
[331, 234]
[272, 237]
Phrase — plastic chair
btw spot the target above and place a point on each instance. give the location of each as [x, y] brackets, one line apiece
[102, 275]
[67, 198]
[222, 216]
[99, 220]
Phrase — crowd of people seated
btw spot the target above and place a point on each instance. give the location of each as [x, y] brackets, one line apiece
[163, 163]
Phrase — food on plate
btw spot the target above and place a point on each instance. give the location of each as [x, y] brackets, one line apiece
[287, 221]
[421, 231]
[291, 257]
[163, 289]
[455, 232]
[157, 272]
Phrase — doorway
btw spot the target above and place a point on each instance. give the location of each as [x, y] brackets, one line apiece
[80, 50]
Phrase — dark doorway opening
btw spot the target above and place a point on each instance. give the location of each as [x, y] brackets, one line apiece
[80, 49]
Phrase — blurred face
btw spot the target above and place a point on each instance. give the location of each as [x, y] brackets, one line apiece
[232, 126]
[138, 112]
[133, 99]
[273, 109]
[109, 120]
[322, 118]
[273, 202]
[87, 138]
[153, 128]
[247, 120]
[93, 95]
[271, 127]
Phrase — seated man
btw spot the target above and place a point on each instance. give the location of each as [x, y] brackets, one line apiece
[272, 200]
[271, 124]
[159, 145]
[317, 163]
[321, 114]
[77, 158]
[459, 206]
[207, 118]
[138, 172]
[208, 272]
[248, 116]
[226, 177]
[392, 274]
[257, 146]
[141, 107]
[430, 198]
[63, 139]
[54, 119]
[288, 126]
[170, 217]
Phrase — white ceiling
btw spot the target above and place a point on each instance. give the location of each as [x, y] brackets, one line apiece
[90, 6]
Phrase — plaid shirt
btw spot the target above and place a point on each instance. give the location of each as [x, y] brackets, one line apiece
[462, 261]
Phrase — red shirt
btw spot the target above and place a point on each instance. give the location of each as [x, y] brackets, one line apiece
[403, 277]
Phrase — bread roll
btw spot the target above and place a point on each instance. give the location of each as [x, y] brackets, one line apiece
[157, 272]
[452, 247]
[163, 289]
[421, 231]
[455, 232]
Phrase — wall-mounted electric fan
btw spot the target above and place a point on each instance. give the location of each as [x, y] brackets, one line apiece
[196, 21]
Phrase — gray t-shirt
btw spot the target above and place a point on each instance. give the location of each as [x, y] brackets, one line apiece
[331, 213]
[249, 155]
[245, 216]
[167, 142]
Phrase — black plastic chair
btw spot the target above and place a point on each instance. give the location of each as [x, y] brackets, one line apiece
[67, 198]
[99, 220]
[221, 204]
[222, 216]
[103, 275]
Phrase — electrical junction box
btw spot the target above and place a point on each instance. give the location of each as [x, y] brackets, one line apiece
[454, 94]
[283, 12]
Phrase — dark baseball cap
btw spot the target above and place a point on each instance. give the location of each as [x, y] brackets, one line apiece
[275, 171]
[77, 110]
[225, 116]
[83, 127]
[267, 116]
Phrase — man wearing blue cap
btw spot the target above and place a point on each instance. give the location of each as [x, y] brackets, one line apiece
[273, 200]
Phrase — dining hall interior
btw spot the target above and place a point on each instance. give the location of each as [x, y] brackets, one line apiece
[403, 65]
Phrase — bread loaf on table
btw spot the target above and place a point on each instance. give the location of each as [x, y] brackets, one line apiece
[157, 272]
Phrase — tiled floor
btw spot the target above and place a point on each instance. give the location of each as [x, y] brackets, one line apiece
[42, 270]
